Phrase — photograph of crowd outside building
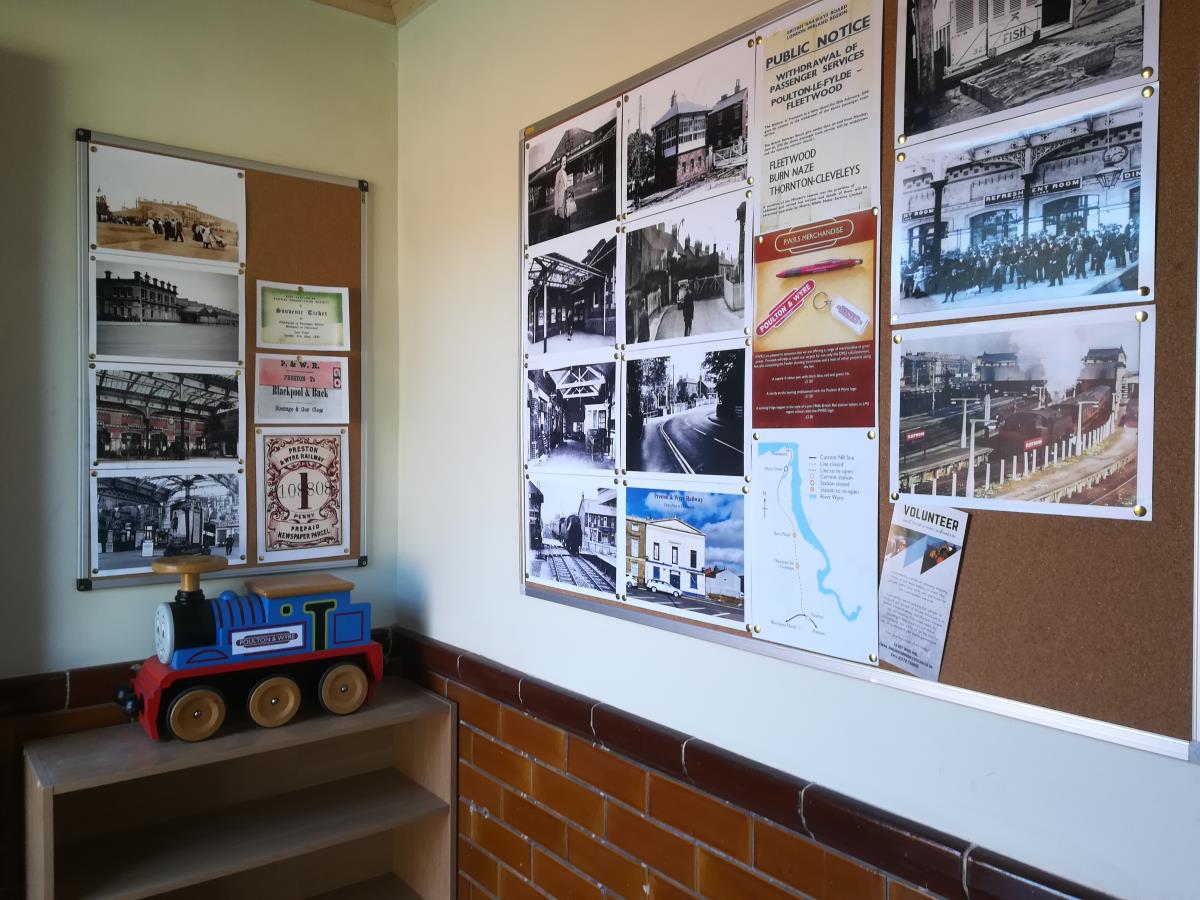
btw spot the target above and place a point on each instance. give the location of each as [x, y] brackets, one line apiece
[685, 272]
[165, 312]
[571, 175]
[962, 61]
[687, 132]
[1043, 414]
[139, 517]
[148, 203]
[1042, 211]
[571, 416]
[572, 532]
[686, 550]
[571, 295]
[143, 415]
[685, 412]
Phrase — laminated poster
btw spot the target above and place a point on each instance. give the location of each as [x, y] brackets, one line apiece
[304, 505]
[315, 318]
[298, 389]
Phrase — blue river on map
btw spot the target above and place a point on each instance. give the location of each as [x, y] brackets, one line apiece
[806, 529]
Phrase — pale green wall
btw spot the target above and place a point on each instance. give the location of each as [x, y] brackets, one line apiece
[280, 81]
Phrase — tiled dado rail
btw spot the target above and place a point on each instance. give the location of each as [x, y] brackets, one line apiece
[561, 796]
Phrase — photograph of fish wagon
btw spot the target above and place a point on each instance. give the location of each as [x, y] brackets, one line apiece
[572, 533]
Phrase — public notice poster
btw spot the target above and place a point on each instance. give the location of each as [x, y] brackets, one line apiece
[814, 325]
[298, 389]
[314, 318]
[819, 95]
[916, 587]
[304, 500]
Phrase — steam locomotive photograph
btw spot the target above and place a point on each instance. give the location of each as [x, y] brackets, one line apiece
[572, 535]
[1040, 411]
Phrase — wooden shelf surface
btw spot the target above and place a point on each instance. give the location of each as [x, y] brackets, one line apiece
[384, 887]
[103, 756]
[177, 854]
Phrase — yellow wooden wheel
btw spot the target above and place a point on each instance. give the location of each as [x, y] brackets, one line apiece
[343, 688]
[196, 714]
[274, 701]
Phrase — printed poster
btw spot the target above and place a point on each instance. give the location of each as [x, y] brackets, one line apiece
[814, 325]
[916, 587]
[299, 389]
[314, 318]
[304, 499]
[819, 96]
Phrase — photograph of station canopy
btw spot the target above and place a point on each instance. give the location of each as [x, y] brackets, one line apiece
[141, 516]
[1044, 411]
[685, 272]
[160, 311]
[967, 59]
[571, 299]
[571, 413]
[571, 175]
[572, 532]
[687, 131]
[162, 415]
[1037, 209]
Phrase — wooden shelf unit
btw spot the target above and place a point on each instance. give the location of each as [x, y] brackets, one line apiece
[358, 806]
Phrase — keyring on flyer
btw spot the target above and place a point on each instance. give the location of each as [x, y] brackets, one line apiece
[816, 301]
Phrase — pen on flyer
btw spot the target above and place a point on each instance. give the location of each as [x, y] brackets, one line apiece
[825, 265]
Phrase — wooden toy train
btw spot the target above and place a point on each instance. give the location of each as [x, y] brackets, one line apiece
[288, 637]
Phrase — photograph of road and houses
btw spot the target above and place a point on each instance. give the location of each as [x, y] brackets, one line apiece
[572, 531]
[685, 412]
[571, 417]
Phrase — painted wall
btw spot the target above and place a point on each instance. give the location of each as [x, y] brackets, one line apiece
[471, 76]
[281, 81]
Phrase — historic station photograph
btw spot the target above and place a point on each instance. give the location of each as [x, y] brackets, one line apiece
[142, 516]
[687, 132]
[571, 295]
[572, 532]
[686, 550]
[1036, 212]
[571, 416]
[149, 203]
[144, 416]
[685, 412]
[1041, 411]
[685, 272]
[571, 175]
[160, 311]
[968, 59]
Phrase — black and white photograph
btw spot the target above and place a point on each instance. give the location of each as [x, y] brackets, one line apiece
[141, 516]
[1055, 209]
[571, 295]
[687, 133]
[685, 271]
[143, 414]
[571, 175]
[165, 311]
[964, 63]
[572, 532]
[685, 412]
[149, 203]
[571, 417]
[1049, 414]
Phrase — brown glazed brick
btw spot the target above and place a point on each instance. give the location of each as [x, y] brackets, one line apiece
[504, 844]
[718, 877]
[561, 882]
[93, 685]
[545, 742]
[475, 786]
[475, 708]
[661, 889]
[536, 824]
[464, 887]
[568, 798]
[614, 871]
[502, 763]
[514, 887]
[607, 772]
[760, 789]
[33, 694]
[465, 817]
[657, 847]
[559, 706]
[496, 681]
[790, 859]
[640, 739]
[420, 653]
[477, 865]
[847, 878]
[704, 818]
[899, 891]
[991, 876]
[466, 741]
